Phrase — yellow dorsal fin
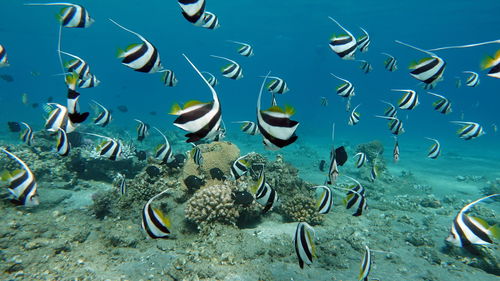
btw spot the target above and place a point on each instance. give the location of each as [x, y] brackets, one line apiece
[131, 46]
[158, 147]
[226, 67]
[165, 220]
[341, 85]
[72, 79]
[480, 221]
[192, 103]
[275, 109]
[176, 108]
[289, 110]
[311, 242]
[495, 231]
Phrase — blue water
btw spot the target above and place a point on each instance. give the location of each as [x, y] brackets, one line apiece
[290, 39]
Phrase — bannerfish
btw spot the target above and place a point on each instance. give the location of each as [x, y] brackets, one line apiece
[245, 49]
[365, 66]
[355, 197]
[344, 90]
[74, 114]
[104, 116]
[210, 20]
[435, 149]
[196, 155]
[193, 10]
[73, 16]
[4, 62]
[232, 71]
[395, 125]
[391, 64]
[62, 146]
[304, 243]
[391, 111]
[109, 148]
[22, 183]
[249, 127]
[361, 159]
[409, 100]
[168, 78]
[344, 45]
[154, 222]
[472, 80]
[469, 130]
[324, 201]
[366, 264]
[163, 152]
[27, 135]
[363, 41]
[354, 117]
[142, 130]
[239, 167]
[211, 79]
[277, 85]
[264, 194]
[58, 118]
[442, 105]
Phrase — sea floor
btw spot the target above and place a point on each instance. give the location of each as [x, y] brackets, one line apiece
[409, 216]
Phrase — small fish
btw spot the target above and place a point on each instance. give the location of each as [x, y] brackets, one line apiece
[495, 127]
[211, 79]
[196, 155]
[122, 186]
[275, 125]
[74, 114]
[338, 156]
[73, 16]
[210, 20]
[62, 146]
[249, 127]
[27, 135]
[264, 194]
[469, 130]
[355, 197]
[89, 82]
[232, 71]
[345, 90]
[142, 130]
[325, 199]
[304, 243]
[110, 148]
[277, 85]
[201, 120]
[245, 50]
[58, 118]
[24, 98]
[354, 117]
[365, 66]
[373, 173]
[442, 105]
[77, 65]
[154, 222]
[324, 101]
[395, 125]
[364, 41]
[391, 111]
[467, 231]
[344, 45]
[193, 10]
[163, 151]
[395, 151]
[391, 64]
[104, 116]
[472, 80]
[239, 167]
[4, 62]
[143, 57]
[348, 104]
[493, 63]
[409, 100]
[168, 78]
[366, 264]
[428, 70]
[22, 183]
[435, 149]
[458, 82]
[361, 160]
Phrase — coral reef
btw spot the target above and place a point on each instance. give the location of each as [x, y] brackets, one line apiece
[215, 155]
[492, 187]
[301, 208]
[212, 204]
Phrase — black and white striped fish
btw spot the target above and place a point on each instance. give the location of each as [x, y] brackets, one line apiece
[211, 79]
[245, 50]
[62, 146]
[22, 183]
[472, 80]
[4, 62]
[168, 78]
[201, 120]
[232, 71]
[442, 105]
[361, 159]
[210, 20]
[428, 70]
[395, 151]
[395, 125]
[58, 118]
[345, 90]
[355, 197]
[338, 156]
[467, 231]
[324, 101]
[249, 127]
[142, 130]
[365, 66]
[142, 57]
[264, 194]
[469, 130]
[163, 152]
[104, 116]
[364, 41]
[71, 16]
[74, 114]
[109, 148]
[435, 149]
[196, 155]
[304, 243]
[391, 64]
[325, 199]
[366, 265]
[354, 117]
[409, 100]
[344, 45]
[122, 185]
[391, 111]
[193, 10]
[27, 135]
[277, 85]
[374, 173]
[77, 65]
[90, 82]
[275, 125]
[154, 222]
[239, 167]
[493, 63]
